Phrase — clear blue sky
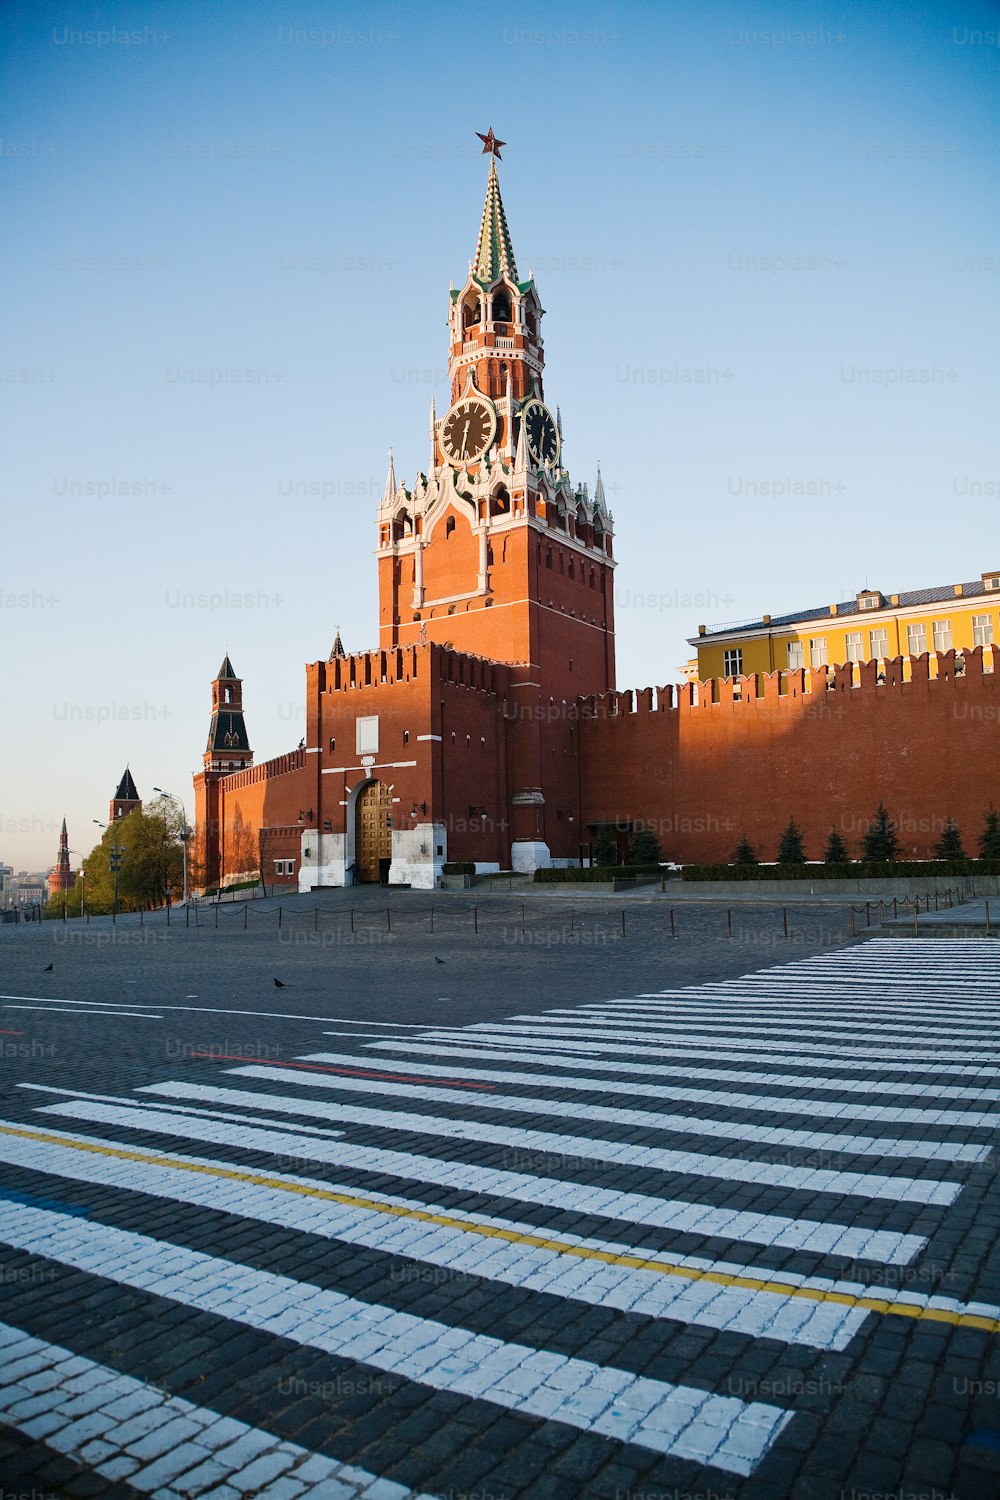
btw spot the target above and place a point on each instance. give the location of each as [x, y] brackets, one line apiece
[289, 190]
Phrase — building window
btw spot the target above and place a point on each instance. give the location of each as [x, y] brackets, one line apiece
[732, 662]
[817, 651]
[916, 639]
[406, 736]
[878, 641]
[796, 655]
[942, 635]
[852, 642]
[284, 867]
[982, 630]
[449, 526]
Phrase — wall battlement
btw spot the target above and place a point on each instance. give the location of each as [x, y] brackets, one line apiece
[281, 765]
[373, 669]
[865, 681]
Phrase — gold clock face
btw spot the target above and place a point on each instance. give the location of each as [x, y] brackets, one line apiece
[469, 429]
[541, 432]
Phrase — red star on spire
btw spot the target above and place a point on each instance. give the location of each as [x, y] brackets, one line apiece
[491, 146]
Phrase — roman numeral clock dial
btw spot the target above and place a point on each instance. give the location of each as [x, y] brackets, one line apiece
[469, 429]
[541, 432]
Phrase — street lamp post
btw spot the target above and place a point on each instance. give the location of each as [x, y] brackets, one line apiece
[117, 860]
[185, 834]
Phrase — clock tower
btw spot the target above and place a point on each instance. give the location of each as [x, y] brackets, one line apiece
[494, 551]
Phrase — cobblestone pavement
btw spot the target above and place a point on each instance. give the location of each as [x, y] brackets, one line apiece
[565, 1231]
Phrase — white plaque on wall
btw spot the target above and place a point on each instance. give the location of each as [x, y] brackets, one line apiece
[367, 735]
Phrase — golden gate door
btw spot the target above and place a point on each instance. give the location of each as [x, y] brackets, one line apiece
[373, 830]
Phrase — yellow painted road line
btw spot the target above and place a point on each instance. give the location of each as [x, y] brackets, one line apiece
[884, 1305]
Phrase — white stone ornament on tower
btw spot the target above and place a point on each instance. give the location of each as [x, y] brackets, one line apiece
[389, 493]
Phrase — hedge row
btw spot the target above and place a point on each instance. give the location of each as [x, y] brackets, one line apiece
[853, 870]
[458, 867]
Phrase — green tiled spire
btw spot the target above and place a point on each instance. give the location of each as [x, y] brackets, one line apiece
[494, 251]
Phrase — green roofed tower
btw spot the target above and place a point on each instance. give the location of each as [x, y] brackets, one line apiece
[228, 747]
[494, 251]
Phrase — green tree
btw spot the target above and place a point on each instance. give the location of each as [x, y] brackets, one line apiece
[881, 841]
[790, 849]
[605, 849]
[151, 864]
[745, 853]
[949, 845]
[989, 839]
[836, 852]
[646, 848]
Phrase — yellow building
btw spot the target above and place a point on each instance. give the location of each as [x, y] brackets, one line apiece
[871, 626]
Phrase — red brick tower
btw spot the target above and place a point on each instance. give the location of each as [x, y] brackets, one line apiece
[228, 750]
[125, 800]
[494, 551]
[61, 877]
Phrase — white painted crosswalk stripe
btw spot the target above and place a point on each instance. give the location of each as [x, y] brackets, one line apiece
[622, 1153]
[524, 1036]
[843, 1110]
[868, 1087]
[525, 1265]
[681, 1420]
[556, 1193]
[666, 1026]
[161, 1444]
[658, 1037]
[734, 1129]
[549, 1056]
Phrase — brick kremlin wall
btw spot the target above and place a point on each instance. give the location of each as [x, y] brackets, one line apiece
[704, 763]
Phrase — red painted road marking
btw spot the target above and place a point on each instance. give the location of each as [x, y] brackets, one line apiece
[453, 1083]
[11, 1033]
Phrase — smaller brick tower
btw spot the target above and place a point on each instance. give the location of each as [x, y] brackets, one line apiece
[61, 877]
[228, 750]
[125, 800]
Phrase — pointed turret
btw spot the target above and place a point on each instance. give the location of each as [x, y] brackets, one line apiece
[389, 493]
[225, 672]
[600, 503]
[521, 456]
[338, 647]
[126, 799]
[494, 255]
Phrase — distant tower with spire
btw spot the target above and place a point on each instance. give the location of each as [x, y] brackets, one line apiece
[126, 799]
[61, 877]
